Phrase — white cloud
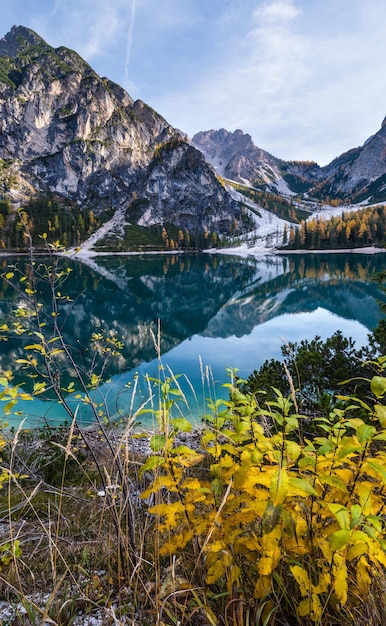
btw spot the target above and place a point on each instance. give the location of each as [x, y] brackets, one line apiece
[89, 26]
[282, 10]
[265, 72]
[303, 77]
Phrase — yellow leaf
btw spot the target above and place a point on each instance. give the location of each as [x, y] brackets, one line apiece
[380, 411]
[378, 386]
[226, 461]
[316, 608]
[34, 346]
[304, 607]
[191, 483]
[177, 542]
[94, 379]
[339, 570]
[258, 507]
[160, 482]
[293, 450]
[269, 541]
[357, 550]
[279, 486]
[376, 553]
[363, 577]
[215, 571]
[312, 607]
[302, 578]
[268, 563]
[324, 583]
[247, 478]
[296, 545]
[263, 587]
[378, 468]
[364, 491]
[171, 512]
[335, 482]
[263, 478]
[215, 546]
[345, 474]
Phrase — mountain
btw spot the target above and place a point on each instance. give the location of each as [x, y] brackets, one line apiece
[355, 176]
[67, 133]
[235, 156]
[360, 173]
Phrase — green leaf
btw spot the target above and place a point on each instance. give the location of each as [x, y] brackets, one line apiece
[306, 461]
[291, 423]
[346, 450]
[181, 423]
[365, 432]
[185, 450]
[158, 442]
[302, 484]
[152, 463]
[341, 514]
[174, 392]
[339, 539]
[356, 515]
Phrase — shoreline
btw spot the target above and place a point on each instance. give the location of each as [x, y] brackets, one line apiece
[242, 251]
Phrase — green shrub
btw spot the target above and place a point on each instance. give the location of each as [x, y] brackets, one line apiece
[318, 369]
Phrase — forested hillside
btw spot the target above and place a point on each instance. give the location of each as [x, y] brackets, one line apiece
[364, 227]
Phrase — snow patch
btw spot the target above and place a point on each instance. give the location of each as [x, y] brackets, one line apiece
[116, 222]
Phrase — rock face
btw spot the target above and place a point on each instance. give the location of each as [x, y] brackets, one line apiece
[356, 175]
[236, 157]
[66, 131]
[361, 172]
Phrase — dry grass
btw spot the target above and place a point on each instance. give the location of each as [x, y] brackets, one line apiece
[94, 559]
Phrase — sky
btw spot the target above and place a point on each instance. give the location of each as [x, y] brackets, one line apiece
[303, 77]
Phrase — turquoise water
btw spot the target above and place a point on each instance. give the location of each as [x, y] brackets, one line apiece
[213, 312]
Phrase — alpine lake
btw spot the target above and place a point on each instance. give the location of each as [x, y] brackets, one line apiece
[190, 317]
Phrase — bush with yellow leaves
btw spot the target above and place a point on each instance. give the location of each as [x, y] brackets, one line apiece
[277, 522]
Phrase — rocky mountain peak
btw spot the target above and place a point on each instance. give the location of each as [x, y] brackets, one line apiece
[18, 40]
[64, 131]
[235, 156]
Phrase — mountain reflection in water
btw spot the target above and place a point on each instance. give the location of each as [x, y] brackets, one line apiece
[214, 312]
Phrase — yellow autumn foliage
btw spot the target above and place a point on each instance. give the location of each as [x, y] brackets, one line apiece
[270, 504]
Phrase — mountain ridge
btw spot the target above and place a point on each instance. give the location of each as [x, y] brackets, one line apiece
[354, 176]
[66, 132]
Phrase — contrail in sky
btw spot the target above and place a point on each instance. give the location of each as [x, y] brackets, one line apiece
[129, 43]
